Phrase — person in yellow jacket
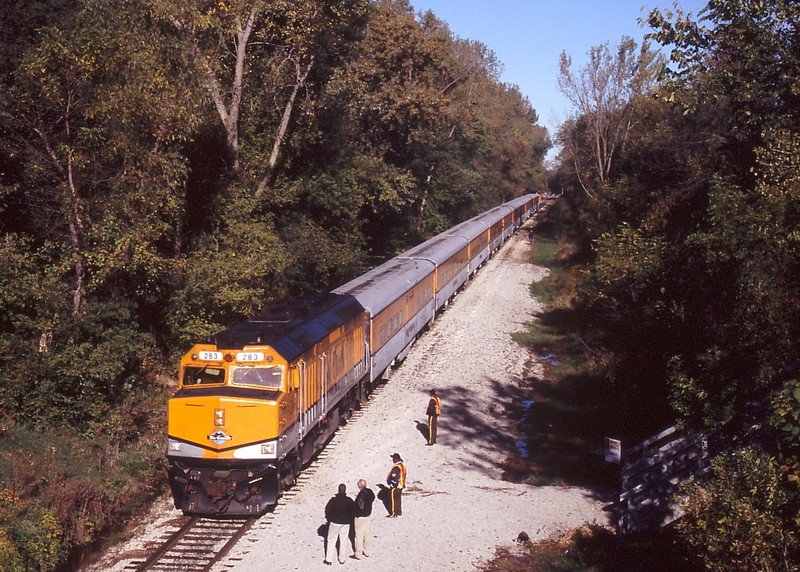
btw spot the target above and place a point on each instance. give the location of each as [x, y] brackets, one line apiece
[396, 479]
[433, 412]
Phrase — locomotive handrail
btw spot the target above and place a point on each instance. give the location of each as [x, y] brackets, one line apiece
[323, 386]
[301, 426]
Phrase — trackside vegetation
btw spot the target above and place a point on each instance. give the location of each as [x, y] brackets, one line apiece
[680, 172]
[574, 404]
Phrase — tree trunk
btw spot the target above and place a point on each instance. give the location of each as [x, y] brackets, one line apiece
[228, 114]
[72, 211]
[75, 233]
[280, 137]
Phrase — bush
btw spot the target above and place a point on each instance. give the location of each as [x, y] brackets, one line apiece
[732, 522]
[60, 491]
[30, 537]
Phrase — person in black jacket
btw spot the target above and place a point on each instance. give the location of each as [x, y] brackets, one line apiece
[364, 500]
[339, 512]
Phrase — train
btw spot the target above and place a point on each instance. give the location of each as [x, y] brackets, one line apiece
[257, 401]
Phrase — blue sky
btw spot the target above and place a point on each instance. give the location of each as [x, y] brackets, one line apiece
[528, 37]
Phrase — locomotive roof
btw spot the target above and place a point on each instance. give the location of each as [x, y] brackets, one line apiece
[293, 326]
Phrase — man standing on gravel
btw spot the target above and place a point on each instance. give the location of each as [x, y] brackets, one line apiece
[364, 500]
[433, 412]
[339, 512]
[396, 479]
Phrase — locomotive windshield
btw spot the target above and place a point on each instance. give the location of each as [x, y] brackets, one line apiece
[203, 375]
[264, 377]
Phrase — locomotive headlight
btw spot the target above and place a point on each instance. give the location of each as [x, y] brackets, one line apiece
[267, 448]
[219, 418]
[174, 446]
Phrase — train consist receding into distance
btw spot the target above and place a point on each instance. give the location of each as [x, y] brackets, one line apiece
[257, 401]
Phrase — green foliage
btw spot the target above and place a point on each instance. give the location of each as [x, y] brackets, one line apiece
[319, 259]
[695, 241]
[732, 522]
[30, 536]
[20, 292]
[59, 368]
[20, 20]
[228, 277]
[786, 415]
[749, 251]
[451, 139]
[9, 555]
[743, 57]
[627, 261]
[60, 491]
[544, 254]
[89, 366]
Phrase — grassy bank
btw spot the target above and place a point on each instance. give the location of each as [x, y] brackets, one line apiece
[62, 493]
[569, 410]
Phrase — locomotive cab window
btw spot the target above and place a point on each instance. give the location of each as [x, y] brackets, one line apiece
[203, 375]
[263, 377]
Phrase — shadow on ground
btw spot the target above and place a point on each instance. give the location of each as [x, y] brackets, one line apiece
[535, 432]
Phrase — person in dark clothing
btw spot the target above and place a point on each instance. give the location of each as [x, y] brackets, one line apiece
[433, 412]
[339, 512]
[364, 500]
[396, 479]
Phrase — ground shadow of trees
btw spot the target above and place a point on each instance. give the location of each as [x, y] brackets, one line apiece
[532, 434]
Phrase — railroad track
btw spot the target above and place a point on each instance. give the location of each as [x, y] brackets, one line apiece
[196, 546]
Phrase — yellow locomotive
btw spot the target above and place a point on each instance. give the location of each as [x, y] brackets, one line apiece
[258, 400]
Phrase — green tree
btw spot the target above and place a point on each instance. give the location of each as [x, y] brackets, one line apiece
[428, 113]
[234, 271]
[604, 93]
[695, 275]
[260, 57]
[735, 66]
[743, 58]
[711, 305]
[97, 129]
[30, 538]
[96, 122]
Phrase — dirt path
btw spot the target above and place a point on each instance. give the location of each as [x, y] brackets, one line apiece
[456, 510]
